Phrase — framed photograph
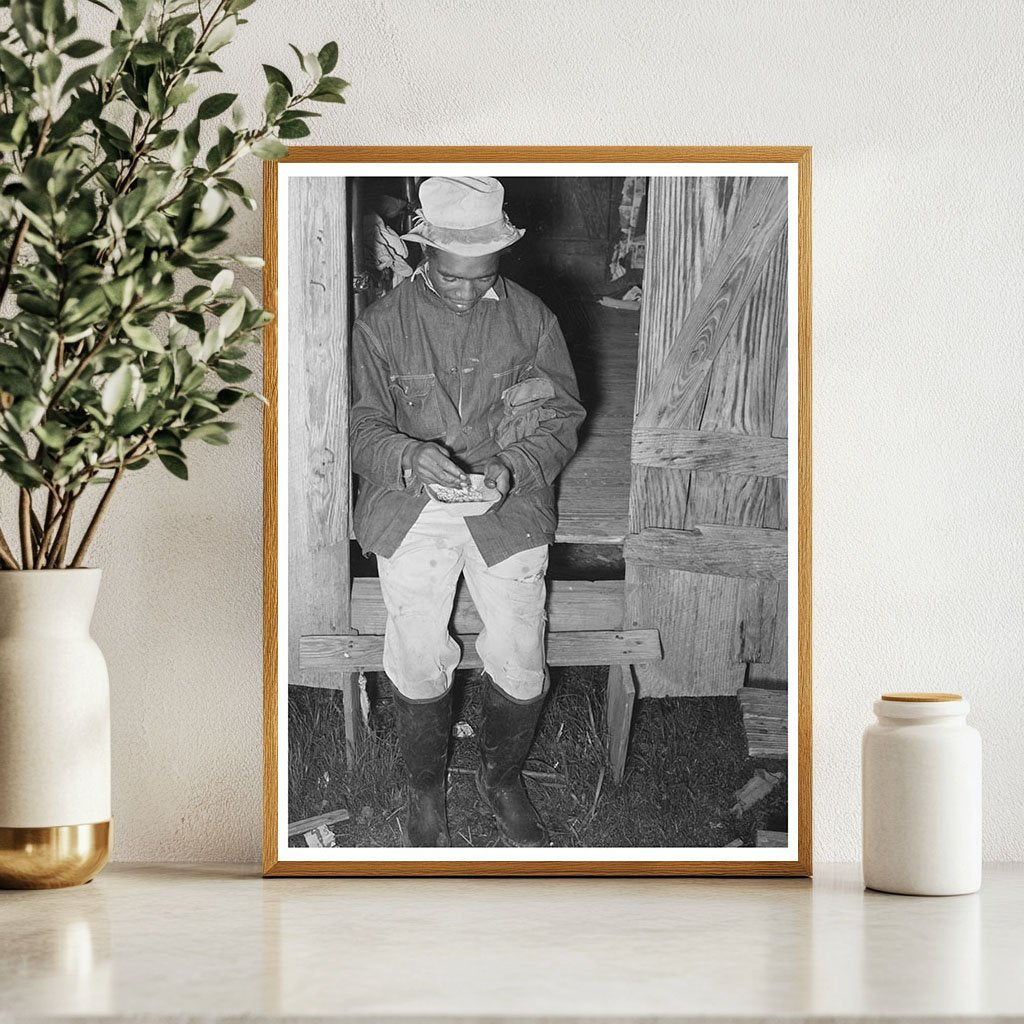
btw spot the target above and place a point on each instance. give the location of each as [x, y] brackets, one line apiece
[537, 591]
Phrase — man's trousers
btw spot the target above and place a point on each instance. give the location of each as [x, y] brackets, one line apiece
[418, 586]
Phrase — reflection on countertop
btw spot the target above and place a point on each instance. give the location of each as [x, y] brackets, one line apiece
[177, 941]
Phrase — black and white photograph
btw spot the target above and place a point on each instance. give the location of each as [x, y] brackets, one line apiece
[534, 563]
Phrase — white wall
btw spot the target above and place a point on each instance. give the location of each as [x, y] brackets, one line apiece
[914, 113]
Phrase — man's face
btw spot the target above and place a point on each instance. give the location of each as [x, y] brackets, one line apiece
[461, 281]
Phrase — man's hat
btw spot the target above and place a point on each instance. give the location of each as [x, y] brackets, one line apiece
[463, 216]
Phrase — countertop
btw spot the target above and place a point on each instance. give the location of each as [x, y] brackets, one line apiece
[179, 941]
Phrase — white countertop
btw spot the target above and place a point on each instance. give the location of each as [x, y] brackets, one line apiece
[178, 941]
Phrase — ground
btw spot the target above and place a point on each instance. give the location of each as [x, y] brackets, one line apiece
[687, 757]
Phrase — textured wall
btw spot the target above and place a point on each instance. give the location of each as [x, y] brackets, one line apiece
[914, 116]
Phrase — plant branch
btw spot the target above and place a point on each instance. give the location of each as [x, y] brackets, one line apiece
[87, 356]
[90, 531]
[61, 543]
[6, 554]
[22, 229]
[25, 521]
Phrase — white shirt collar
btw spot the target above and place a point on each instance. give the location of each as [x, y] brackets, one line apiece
[420, 271]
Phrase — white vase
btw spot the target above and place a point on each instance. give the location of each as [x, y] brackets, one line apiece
[54, 731]
[921, 774]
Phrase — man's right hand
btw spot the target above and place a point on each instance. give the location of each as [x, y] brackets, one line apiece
[430, 464]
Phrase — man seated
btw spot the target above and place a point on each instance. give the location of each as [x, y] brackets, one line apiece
[459, 371]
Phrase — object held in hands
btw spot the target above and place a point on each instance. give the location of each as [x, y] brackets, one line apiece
[465, 501]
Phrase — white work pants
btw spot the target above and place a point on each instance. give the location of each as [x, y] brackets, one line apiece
[418, 586]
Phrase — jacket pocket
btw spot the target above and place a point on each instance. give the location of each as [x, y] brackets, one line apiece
[523, 409]
[417, 411]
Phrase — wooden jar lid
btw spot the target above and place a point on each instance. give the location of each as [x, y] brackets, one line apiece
[921, 698]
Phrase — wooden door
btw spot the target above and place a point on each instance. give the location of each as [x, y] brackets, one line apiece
[707, 552]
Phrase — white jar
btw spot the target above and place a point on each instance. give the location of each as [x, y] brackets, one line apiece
[921, 778]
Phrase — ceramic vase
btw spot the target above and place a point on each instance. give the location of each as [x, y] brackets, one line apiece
[921, 773]
[54, 731]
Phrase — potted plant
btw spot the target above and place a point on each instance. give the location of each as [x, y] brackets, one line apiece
[122, 341]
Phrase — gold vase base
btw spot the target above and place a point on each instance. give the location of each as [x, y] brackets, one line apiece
[53, 857]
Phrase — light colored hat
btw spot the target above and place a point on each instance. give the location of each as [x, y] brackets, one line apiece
[463, 216]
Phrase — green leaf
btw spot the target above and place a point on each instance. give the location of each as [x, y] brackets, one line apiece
[334, 84]
[221, 35]
[232, 319]
[149, 53]
[216, 104]
[144, 338]
[232, 373]
[77, 79]
[211, 433]
[184, 44]
[53, 435]
[325, 96]
[328, 57]
[49, 68]
[116, 390]
[293, 130]
[222, 281]
[175, 465]
[133, 12]
[269, 149]
[83, 48]
[276, 76]
[26, 413]
[128, 421]
[181, 94]
[276, 99]
[16, 70]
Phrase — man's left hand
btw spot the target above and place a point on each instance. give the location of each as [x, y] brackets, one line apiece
[498, 475]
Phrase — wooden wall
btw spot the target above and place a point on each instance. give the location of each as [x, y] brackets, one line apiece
[709, 440]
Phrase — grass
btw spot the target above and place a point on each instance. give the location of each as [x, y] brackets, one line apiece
[687, 757]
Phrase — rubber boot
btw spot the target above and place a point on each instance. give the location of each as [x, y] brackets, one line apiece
[506, 736]
[424, 727]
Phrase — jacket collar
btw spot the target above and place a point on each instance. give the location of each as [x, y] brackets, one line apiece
[496, 291]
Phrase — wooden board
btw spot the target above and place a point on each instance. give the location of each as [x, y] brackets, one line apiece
[765, 721]
[593, 490]
[572, 605]
[705, 461]
[591, 647]
[745, 552]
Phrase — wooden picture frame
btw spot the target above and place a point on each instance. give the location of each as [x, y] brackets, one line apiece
[761, 197]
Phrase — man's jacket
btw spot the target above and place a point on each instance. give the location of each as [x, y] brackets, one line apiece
[496, 379]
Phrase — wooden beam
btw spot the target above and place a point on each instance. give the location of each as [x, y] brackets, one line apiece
[746, 552]
[572, 605]
[618, 715]
[713, 451]
[721, 299]
[589, 647]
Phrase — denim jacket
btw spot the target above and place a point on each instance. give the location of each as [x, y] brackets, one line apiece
[496, 379]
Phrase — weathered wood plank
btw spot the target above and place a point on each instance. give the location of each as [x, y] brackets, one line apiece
[765, 721]
[688, 221]
[316, 350]
[621, 695]
[746, 552]
[734, 454]
[585, 647]
[732, 279]
[297, 828]
[756, 611]
[572, 605]
[689, 610]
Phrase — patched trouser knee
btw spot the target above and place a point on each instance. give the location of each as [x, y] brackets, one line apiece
[418, 587]
[510, 597]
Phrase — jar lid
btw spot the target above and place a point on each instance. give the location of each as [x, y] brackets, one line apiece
[921, 698]
[921, 705]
